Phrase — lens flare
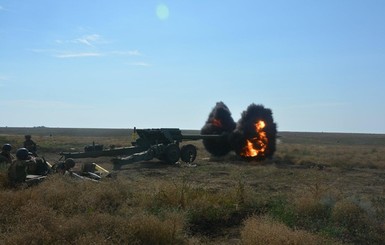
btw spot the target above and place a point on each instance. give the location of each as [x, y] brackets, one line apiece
[162, 12]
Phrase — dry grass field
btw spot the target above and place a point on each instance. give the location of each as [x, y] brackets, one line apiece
[319, 188]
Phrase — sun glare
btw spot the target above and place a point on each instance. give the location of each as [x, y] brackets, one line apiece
[162, 12]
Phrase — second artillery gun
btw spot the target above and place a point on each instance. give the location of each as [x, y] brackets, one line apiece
[162, 143]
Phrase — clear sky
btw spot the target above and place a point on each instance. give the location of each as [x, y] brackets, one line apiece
[318, 65]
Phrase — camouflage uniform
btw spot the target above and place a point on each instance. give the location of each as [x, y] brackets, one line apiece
[3, 163]
[5, 157]
[17, 172]
[30, 145]
[64, 167]
[37, 166]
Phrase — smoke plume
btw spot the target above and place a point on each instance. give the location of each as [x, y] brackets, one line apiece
[255, 135]
[219, 122]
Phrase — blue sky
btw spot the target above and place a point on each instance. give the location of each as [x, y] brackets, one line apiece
[318, 65]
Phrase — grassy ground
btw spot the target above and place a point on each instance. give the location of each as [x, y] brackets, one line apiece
[318, 189]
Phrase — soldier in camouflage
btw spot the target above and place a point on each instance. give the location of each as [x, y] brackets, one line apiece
[5, 156]
[30, 145]
[64, 167]
[17, 172]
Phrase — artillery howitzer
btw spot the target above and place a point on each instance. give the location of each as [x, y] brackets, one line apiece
[162, 144]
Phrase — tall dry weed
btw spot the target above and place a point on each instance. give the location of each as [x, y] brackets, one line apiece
[33, 224]
[150, 229]
[10, 204]
[355, 224]
[348, 214]
[161, 195]
[203, 210]
[311, 213]
[265, 230]
[65, 211]
[333, 154]
[70, 196]
[313, 207]
[3, 179]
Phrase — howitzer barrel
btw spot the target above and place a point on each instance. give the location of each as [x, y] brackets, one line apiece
[150, 137]
[111, 152]
[203, 136]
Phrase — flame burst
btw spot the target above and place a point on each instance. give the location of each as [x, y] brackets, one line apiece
[256, 146]
[253, 137]
[217, 123]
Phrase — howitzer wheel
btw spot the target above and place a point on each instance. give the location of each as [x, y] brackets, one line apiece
[188, 153]
[171, 153]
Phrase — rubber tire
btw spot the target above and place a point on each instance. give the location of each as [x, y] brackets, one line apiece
[171, 153]
[188, 153]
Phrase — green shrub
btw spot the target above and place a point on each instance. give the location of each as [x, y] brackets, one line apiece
[280, 209]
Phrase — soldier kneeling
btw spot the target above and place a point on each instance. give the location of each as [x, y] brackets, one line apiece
[17, 172]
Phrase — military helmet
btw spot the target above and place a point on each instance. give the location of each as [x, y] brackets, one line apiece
[7, 147]
[28, 136]
[69, 163]
[22, 154]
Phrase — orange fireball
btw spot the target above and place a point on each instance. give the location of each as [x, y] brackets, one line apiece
[256, 146]
[217, 123]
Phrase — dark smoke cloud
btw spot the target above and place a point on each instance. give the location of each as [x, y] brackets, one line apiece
[219, 122]
[245, 129]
